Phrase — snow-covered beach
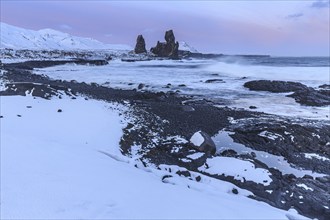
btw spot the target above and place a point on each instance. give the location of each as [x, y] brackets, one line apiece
[107, 134]
[68, 164]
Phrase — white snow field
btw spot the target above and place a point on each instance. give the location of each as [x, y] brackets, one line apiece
[47, 39]
[67, 165]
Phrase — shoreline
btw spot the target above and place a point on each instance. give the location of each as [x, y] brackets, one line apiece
[160, 118]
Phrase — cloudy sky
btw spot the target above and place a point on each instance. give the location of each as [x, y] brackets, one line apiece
[287, 27]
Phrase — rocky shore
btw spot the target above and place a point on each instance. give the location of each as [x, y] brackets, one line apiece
[163, 123]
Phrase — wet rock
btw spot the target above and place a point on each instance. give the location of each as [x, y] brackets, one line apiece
[228, 153]
[312, 97]
[19, 116]
[274, 86]
[140, 46]
[325, 86]
[141, 86]
[187, 108]
[213, 80]
[59, 110]
[30, 65]
[307, 177]
[167, 49]
[252, 107]
[302, 94]
[135, 59]
[198, 178]
[201, 141]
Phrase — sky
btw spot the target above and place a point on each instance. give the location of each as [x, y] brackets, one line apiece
[277, 27]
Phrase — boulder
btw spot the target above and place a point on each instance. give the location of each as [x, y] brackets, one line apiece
[169, 48]
[140, 46]
[201, 141]
[302, 94]
[275, 86]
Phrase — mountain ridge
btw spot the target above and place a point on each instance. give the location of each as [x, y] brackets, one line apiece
[13, 37]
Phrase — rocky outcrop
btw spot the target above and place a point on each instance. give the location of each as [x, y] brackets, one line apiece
[169, 48]
[302, 94]
[30, 65]
[140, 46]
[274, 86]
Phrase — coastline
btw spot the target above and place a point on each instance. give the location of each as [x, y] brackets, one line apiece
[164, 122]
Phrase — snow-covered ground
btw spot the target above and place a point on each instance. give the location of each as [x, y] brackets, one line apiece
[67, 165]
[48, 39]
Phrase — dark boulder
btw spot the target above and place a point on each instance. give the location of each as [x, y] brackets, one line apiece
[140, 46]
[214, 81]
[325, 86]
[312, 97]
[185, 173]
[169, 48]
[235, 191]
[274, 86]
[303, 94]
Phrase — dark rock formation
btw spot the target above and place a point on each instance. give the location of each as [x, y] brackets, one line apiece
[214, 81]
[140, 46]
[274, 86]
[302, 94]
[30, 65]
[312, 97]
[325, 86]
[169, 48]
[206, 145]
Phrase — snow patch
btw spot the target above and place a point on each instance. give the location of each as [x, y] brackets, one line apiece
[197, 139]
[184, 46]
[270, 135]
[316, 156]
[239, 169]
[195, 155]
[302, 185]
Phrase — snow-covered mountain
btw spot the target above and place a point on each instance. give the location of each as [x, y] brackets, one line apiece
[19, 38]
[184, 46]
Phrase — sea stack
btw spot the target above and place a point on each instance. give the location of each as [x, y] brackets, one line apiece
[140, 46]
[167, 49]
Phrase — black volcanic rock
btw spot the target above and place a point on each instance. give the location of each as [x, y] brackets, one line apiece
[303, 94]
[170, 48]
[140, 46]
[274, 86]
